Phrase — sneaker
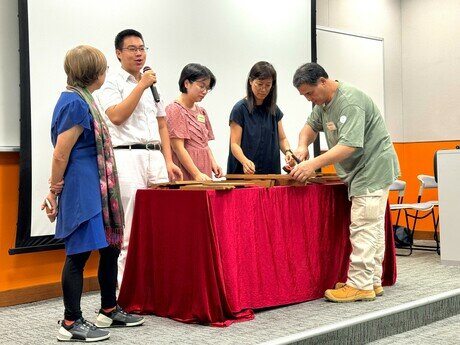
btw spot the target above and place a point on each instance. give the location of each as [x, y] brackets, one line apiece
[349, 294]
[81, 330]
[378, 289]
[118, 318]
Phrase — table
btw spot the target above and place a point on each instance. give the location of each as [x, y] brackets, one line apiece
[212, 257]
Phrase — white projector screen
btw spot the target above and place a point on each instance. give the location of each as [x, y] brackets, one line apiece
[228, 36]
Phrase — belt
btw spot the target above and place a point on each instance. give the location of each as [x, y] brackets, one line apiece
[155, 146]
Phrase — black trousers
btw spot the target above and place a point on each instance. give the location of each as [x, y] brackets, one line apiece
[72, 280]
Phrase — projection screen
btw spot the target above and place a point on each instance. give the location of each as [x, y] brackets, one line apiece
[228, 36]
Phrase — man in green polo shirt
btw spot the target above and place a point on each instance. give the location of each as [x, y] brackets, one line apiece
[364, 157]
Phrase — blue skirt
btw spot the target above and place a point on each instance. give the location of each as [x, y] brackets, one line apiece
[88, 236]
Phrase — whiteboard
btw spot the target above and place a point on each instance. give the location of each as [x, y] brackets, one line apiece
[226, 36]
[9, 76]
[355, 59]
[448, 166]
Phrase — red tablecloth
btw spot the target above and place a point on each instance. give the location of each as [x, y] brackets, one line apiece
[211, 257]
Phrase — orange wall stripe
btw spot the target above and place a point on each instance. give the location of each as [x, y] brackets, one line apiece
[24, 270]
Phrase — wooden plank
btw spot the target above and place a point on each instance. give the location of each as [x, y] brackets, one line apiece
[258, 177]
[173, 185]
[209, 186]
[228, 183]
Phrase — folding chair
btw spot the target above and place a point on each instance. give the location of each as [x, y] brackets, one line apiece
[429, 182]
[421, 209]
[400, 187]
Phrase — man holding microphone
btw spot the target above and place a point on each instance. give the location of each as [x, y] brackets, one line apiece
[137, 126]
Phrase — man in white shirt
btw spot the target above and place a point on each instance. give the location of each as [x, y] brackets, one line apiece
[137, 125]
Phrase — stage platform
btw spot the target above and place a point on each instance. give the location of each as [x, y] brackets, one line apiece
[426, 291]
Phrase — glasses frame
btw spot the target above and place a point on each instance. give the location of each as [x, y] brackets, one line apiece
[203, 88]
[134, 50]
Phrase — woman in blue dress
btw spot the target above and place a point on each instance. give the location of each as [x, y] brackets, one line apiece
[87, 205]
[256, 130]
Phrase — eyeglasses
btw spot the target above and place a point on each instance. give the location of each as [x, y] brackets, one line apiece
[202, 86]
[134, 50]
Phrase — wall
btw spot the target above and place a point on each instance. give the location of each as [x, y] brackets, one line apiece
[431, 66]
[378, 18]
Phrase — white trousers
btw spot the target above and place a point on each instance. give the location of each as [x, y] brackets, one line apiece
[367, 237]
[136, 170]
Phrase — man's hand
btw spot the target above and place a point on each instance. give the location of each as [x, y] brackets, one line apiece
[303, 171]
[302, 153]
[148, 79]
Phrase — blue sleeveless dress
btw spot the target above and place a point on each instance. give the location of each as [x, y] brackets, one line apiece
[79, 220]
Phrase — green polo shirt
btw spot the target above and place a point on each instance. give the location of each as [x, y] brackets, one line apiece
[352, 119]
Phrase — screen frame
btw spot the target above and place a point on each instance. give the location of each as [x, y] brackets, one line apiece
[25, 243]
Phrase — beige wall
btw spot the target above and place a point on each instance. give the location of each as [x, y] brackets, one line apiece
[431, 69]
[377, 18]
[422, 60]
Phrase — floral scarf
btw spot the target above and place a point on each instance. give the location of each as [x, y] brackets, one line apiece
[112, 208]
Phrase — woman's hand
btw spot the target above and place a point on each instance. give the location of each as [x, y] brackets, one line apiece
[56, 188]
[249, 167]
[50, 206]
[288, 158]
[217, 170]
[201, 177]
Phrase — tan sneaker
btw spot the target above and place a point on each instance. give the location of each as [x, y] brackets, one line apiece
[349, 294]
[378, 289]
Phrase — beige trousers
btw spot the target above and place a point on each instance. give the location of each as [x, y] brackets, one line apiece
[367, 237]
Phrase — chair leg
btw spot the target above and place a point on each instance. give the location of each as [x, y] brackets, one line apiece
[436, 234]
[411, 237]
[412, 230]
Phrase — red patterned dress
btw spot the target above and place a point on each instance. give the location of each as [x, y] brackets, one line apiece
[194, 127]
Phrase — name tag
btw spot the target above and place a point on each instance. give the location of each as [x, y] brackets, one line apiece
[331, 126]
[201, 118]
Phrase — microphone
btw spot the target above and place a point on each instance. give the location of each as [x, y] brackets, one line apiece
[156, 97]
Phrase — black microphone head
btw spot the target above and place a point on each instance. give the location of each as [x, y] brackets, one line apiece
[156, 97]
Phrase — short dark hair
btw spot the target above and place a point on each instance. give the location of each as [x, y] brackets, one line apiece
[309, 73]
[193, 72]
[262, 70]
[126, 33]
